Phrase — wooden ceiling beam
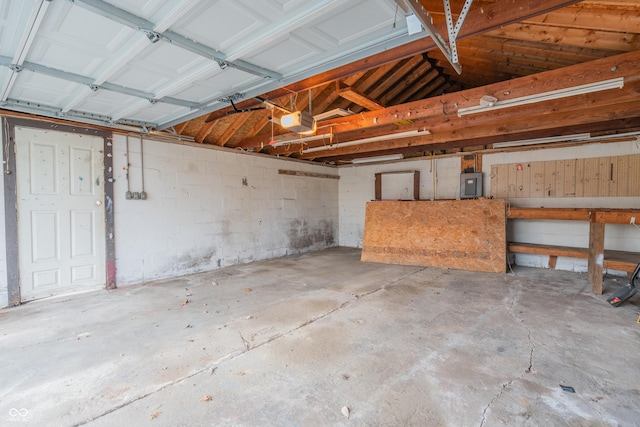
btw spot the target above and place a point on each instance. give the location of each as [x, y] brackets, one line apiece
[538, 62]
[579, 108]
[487, 141]
[357, 97]
[373, 78]
[479, 20]
[442, 108]
[429, 89]
[406, 82]
[236, 124]
[391, 79]
[603, 40]
[600, 17]
[587, 18]
[423, 83]
[180, 127]
[496, 128]
[623, 125]
[499, 45]
[204, 131]
[625, 65]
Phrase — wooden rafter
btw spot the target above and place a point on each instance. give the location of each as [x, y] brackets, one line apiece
[204, 131]
[358, 97]
[631, 124]
[479, 20]
[443, 109]
[496, 128]
[236, 124]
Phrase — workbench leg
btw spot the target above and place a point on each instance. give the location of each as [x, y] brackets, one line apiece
[596, 256]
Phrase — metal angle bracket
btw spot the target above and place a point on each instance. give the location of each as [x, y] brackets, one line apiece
[449, 50]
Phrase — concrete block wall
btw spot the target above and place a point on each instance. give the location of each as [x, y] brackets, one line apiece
[566, 233]
[357, 187]
[4, 295]
[209, 208]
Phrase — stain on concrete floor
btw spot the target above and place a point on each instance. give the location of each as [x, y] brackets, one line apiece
[397, 345]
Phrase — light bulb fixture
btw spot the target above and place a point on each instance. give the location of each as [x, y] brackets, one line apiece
[488, 103]
[299, 122]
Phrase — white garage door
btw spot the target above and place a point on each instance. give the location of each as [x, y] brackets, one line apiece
[61, 227]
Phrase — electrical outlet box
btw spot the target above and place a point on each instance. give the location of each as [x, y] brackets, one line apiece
[470, 185]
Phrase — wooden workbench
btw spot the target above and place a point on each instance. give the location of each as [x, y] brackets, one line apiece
[597, 257]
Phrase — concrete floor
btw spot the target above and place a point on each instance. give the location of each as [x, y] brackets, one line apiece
[294, 341]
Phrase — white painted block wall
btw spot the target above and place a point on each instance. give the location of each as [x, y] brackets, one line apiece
[566, 233]
[357, 187]
[209, 208]
[4, 294]
[200, 215]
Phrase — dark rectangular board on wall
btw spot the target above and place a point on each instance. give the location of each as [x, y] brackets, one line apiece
[461, 234]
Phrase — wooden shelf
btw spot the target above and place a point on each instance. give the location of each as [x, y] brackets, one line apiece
[599, 215]
[597, 218]
[614, 260]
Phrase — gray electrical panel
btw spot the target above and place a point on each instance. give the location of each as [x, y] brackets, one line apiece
[470, 185]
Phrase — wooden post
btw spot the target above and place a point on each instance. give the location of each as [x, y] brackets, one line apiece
[378, 186]
[596, 255]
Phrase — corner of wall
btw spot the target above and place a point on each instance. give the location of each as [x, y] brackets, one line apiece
[4, 295]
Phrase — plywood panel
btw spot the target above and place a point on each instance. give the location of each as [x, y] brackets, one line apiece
[523, 179]
[502, 182]
[604, 175]
[559, 178]
[569, 185]
[580, 178]
[511, 185]
[633, 178]
[623, 165]
[549, 179]
[525, 191]
[591, 176]
[537, 177]
[612, 178]
[462, 234]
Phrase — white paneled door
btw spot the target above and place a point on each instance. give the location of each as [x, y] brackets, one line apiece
[61, 219]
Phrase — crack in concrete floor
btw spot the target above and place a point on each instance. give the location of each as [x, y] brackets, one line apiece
[527, 371]
[248, 347]
[431, 351]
